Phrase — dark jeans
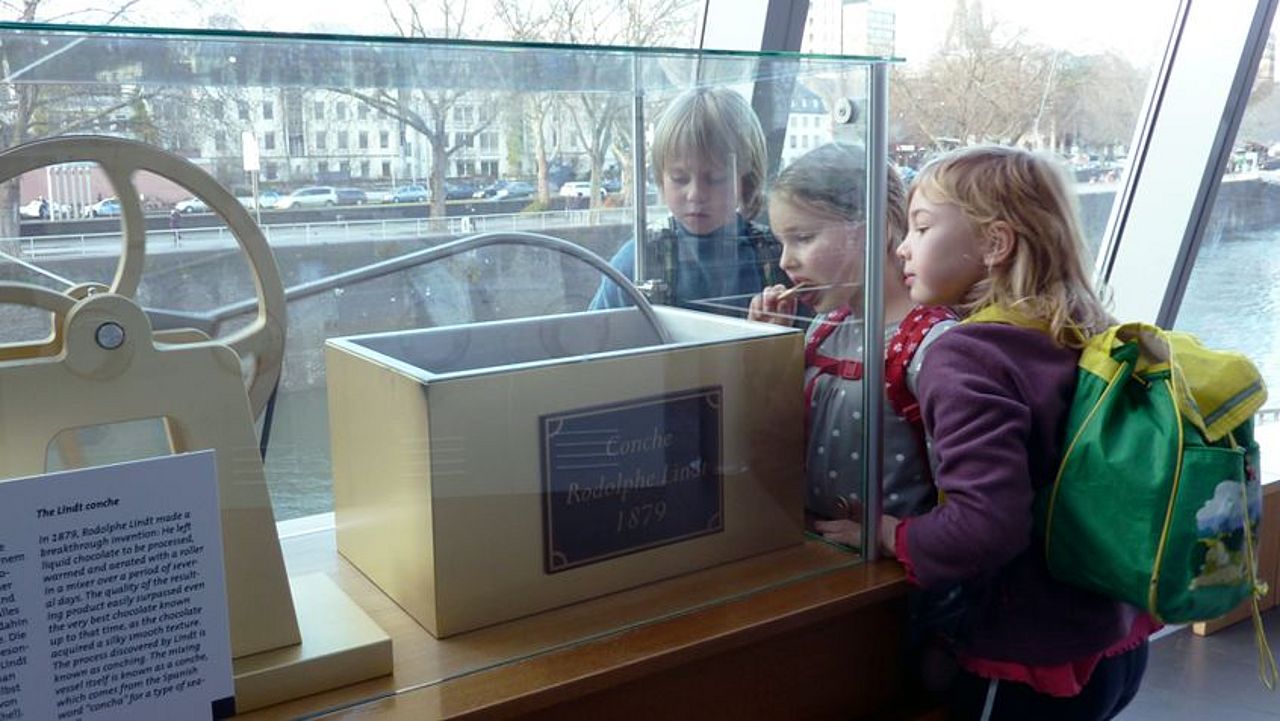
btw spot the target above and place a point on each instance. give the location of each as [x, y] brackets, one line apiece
[1113, 685]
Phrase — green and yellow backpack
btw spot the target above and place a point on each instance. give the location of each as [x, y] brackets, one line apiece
[1158, 497]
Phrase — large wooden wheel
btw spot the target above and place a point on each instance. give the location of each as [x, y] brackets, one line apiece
[260, 342]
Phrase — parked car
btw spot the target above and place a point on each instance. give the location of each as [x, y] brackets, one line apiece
[103, 208]
[578, 189]
[34, 209]
[310, 197]
[268, 199]
[490, 190]
[458, 189]
[506, 189]
[191, 205]
[517, 189]
[559, 173]
[351, 196]
[574, 188]
[409, 194]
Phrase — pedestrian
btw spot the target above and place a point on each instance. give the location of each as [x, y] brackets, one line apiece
[175, 224]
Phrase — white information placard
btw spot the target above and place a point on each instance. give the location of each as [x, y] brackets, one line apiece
[112, 594]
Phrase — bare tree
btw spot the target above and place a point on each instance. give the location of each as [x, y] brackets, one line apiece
[1261, 122]
[600, 121]
[538, 109]
[988, 85]
[539, 112]
[31, 110]
[635, 23]
[426, 111]
[983, 90]
[1095, 101]
[646, 24]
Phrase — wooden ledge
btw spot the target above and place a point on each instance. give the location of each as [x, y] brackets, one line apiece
[554, 678]
[621, 641]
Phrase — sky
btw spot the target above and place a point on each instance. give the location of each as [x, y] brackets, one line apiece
[1136, 29]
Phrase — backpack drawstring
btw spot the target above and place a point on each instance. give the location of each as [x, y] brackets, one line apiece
[1267, 670]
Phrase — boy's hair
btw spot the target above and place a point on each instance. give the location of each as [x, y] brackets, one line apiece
[832, 179]
[1046, 277]
[712, 124]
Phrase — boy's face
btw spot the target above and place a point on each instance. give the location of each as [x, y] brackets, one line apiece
[701, 194]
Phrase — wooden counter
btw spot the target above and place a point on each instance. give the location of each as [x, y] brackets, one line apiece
[800, 633]
[803, 632]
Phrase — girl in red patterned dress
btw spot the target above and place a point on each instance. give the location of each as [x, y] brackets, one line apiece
[816, 209]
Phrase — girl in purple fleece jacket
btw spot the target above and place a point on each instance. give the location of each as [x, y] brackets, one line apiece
[998, 226]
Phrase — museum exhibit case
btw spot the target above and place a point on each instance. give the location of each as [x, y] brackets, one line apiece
[487, 465]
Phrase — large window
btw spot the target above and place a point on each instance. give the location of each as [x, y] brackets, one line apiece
[1077, 91]
[1007, 72]
[1233, 296]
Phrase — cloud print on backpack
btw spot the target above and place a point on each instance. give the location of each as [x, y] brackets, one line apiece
[1220, 523]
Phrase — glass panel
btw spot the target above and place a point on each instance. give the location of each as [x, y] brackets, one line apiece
[1232, 299]
[653, 23]
[473, 395]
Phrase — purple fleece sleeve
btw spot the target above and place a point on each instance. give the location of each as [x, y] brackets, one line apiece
[971, 396]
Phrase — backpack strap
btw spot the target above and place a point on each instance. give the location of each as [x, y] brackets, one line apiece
[1006, 316]
[843, 367]
[660, 253]
[660, 262]
[899, 352]
[768, 254]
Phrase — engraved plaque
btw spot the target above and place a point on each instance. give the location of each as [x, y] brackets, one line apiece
[628, 476]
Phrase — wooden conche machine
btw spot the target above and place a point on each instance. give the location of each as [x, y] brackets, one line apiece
[103, 364]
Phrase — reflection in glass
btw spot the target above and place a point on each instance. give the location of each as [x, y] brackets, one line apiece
[548, 115]
[367, 152]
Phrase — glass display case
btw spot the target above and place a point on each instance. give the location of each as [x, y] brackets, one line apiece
[516, 449]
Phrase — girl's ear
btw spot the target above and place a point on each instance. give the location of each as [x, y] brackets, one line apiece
[1000, 243]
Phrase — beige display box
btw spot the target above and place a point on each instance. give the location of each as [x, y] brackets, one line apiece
[454, 490]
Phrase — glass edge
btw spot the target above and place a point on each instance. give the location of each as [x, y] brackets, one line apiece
[220, 34]
[852, 560]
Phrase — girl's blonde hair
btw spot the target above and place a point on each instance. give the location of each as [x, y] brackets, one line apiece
[832, 179]
[1045, 278]
[712, 124]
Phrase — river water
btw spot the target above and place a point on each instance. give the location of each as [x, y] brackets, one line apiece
[1233, 299]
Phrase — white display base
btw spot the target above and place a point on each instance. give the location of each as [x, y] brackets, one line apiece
[340, 645]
